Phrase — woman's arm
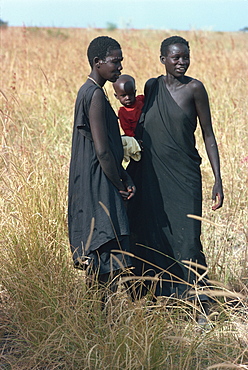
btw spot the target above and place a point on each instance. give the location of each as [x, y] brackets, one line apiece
[128, 182]
[203, 112]
[100, 138]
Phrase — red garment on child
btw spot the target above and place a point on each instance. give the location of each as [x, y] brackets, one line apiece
[129, 116]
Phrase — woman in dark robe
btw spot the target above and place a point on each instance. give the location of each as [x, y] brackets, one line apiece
[98, 184]
[169, 184]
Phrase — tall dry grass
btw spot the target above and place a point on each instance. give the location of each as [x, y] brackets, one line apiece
[49, 320]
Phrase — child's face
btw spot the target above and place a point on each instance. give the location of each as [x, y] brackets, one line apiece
[126, 94]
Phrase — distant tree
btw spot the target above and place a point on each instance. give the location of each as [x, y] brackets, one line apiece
[245, 29]
[111, 26]
[3, 24]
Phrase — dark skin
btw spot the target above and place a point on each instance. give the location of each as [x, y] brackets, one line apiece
[125, 90]
[191, 96]
[108, 69]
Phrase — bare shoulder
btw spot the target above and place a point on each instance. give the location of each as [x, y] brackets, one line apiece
[196, 85]
[98, 94]
[199, 94]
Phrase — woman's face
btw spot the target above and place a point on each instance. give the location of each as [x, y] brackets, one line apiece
[110, 68]
[177, 60]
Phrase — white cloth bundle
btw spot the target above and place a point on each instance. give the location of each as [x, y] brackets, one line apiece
[131, 150]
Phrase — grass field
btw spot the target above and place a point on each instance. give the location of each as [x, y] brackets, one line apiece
[49, 320]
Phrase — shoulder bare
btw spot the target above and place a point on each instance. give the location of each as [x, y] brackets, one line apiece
[200, 95]
[196, 85]
[98, 95]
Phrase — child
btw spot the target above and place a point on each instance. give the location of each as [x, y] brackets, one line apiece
[130, 112]
[129, 115]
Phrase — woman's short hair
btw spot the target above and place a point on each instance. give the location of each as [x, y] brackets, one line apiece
[101, 47]
[171, 41]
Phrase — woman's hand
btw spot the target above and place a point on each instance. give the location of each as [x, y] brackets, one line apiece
[126, 195]
[131, 190]
[217, 195]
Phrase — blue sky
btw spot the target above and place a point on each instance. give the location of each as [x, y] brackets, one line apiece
[213, 15]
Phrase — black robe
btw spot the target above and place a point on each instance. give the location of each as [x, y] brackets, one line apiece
[88, 185]
[168, 188]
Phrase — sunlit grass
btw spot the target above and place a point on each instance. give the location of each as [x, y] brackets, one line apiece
[49, 319]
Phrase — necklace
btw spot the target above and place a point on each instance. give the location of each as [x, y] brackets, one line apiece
[92, 79]
[97, 84]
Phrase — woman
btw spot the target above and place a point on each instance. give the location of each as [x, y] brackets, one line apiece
[171, 186]
[98, 184]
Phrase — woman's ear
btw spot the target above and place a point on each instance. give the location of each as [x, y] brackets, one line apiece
[162, 59]
[96, 61]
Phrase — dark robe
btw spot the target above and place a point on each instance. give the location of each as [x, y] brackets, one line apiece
[88, 185]
[168, 188]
